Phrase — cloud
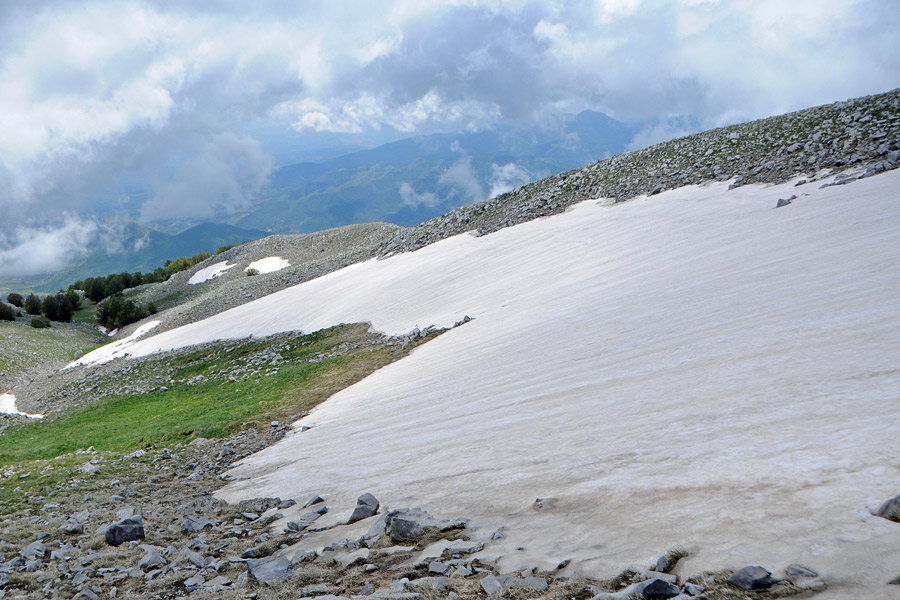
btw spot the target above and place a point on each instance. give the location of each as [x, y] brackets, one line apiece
[36, 250]
[460, 182]
[507, 178]
[143, 108]
[415, 200]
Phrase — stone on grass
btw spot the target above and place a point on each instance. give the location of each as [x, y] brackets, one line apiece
[152, 559]
[493, 585]
[429, 584]
[33, 550]
[752, 578]
[191, 524]
[270, 569]
[125, 530]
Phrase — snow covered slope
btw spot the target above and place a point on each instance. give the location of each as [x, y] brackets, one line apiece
[694, 369]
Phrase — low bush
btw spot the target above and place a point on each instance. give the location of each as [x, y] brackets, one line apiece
[252, 272]
[40, 322]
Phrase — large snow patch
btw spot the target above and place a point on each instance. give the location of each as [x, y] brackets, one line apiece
[695, 369]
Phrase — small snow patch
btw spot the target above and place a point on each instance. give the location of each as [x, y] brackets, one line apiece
[8, 406]
[115, 349]
[207, 273]
[269, 264]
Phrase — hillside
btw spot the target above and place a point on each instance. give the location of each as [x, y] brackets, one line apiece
[703, 374]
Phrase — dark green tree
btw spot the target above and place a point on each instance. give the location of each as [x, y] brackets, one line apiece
[7, 312]
[33, 305]
[15, 299]
[74, 299]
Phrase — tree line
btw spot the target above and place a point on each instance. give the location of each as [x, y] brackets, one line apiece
[98, 288]
[113, 310]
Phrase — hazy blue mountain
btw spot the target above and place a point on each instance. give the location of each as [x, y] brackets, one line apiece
[412, 180]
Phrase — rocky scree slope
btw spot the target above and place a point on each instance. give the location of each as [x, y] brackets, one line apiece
[864, 132]
[310, 255]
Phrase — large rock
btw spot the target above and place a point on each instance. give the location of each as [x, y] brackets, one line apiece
[650, 589]
[191, 524]
[270, 569]
[33, 550]
[366, 506]
[151, 559]
[410, 524]
[752, 578]
[890, 509]
[493, 584]
[125, 530]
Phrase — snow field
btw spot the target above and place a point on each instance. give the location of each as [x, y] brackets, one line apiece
[695, 369]
[8, 406]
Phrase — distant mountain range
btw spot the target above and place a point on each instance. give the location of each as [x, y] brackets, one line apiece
[404, 182]
[412, 180]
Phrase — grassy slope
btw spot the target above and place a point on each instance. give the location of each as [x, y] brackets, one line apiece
[237, 391]
[22, 347]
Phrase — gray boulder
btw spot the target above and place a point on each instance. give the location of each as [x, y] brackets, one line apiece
[270, 569]
[191, 524]
[151, 559]
[890, 510]
[752, 578]
[366, 506]
[799, 571]
[125, 530]
[429, 584]
[493, 585]
[33, 550]
[408, 525]
[649, 589]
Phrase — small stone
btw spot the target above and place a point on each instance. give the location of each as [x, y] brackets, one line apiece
[693, 590]
[799, 571]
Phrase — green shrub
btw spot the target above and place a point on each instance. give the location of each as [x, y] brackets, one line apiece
[117, 311]
[57, 308]
[15, 299]
[40, 322]
[222, 249]
[252, 272]
[7, 312]
[33, 305]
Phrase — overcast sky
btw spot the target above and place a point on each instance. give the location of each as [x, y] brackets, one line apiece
[94, 94]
